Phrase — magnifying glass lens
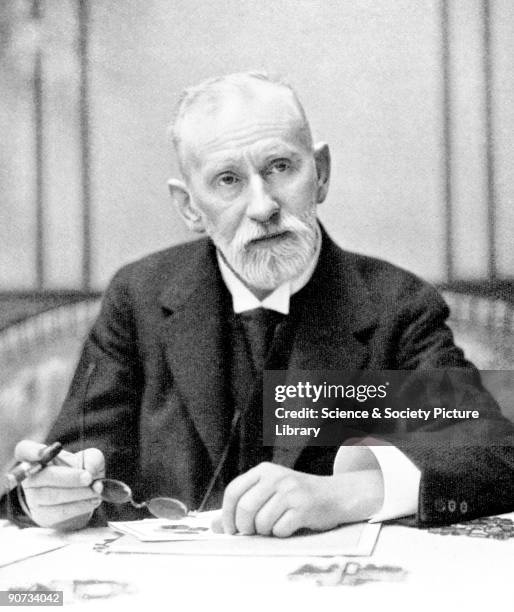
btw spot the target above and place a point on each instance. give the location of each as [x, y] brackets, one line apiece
[167, 508]
[115, 491]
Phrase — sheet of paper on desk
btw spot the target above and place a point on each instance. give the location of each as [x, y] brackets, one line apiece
[19, 544]
[145, 537]
[193, 527]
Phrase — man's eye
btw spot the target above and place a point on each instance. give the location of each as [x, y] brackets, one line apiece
[227, 180]
[278, 166]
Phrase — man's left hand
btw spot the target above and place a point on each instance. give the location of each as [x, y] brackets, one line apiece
[274, 500]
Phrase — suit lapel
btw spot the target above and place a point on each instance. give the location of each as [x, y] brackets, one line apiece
[193, 332]
[330, 322]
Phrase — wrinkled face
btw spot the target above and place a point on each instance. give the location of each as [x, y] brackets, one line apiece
[252, 179]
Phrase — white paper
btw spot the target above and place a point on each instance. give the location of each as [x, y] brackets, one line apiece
[149, 536]
[19, 544]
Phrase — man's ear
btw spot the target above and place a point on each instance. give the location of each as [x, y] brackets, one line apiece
[182, 199]
[322, 159]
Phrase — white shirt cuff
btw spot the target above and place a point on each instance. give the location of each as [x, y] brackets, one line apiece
[400, 477]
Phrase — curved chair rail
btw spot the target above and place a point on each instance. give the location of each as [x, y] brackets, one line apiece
[71, 320]
[482, 311]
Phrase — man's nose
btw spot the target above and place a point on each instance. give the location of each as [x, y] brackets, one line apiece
[262, 207]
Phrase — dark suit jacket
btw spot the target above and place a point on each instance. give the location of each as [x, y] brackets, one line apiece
[156, 402]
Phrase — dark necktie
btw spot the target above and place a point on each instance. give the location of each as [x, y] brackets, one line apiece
[259, 326]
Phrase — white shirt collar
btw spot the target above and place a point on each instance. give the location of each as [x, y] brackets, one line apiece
[243, 299]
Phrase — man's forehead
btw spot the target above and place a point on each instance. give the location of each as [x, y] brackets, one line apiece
[236, 116]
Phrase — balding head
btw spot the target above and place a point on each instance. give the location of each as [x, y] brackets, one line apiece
[214, 101]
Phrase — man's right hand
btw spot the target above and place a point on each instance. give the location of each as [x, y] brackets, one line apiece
[60, 495]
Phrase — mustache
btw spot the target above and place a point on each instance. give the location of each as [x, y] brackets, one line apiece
[291, 225]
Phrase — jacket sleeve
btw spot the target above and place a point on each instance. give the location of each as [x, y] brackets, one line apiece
[106, 406]
[467, 466]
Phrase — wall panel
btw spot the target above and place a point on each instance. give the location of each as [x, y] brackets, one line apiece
[468, 162]
[503, 108]
[63, 227]
[17, 154]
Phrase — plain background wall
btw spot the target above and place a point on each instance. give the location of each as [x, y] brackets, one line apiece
[370, 74]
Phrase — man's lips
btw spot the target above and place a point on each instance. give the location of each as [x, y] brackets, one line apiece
[274, 236]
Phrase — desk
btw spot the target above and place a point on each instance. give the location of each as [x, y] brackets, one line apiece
[444, 573]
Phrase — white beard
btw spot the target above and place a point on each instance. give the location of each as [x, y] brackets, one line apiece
[266, 266]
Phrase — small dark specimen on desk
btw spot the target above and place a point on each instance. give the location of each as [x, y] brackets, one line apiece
[351, 573]
[493, 527]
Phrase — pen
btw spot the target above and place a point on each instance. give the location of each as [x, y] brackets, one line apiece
[24, 469]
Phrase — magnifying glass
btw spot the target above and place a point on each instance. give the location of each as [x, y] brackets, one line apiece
[117, 492]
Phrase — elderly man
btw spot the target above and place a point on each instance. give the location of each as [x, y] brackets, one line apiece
[174, 401]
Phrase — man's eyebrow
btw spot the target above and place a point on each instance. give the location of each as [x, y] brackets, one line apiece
[222, 161]
[282, 150]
